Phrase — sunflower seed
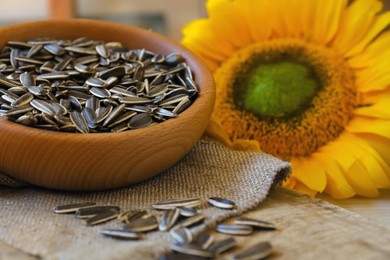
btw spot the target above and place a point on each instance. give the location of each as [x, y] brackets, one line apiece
[63, 63]
[118, 71]
[80, 50]
[27, 119]
[192, 250]
[79, 121]
[23, 100]
[174, 59]
[258, 251]
[101, 217]
[174, 203]
[90, 116]
[169, 219]
[221, 203]
[54, 75]
[72, 207]
[88, 212]
[102, 113]
[102, 50]
[204, 240]
[19, 110]
[100, 92]
[181, 236]
[234, 229]
[131, 215]
[222, 246]
[116, 112]
[54, 49]
[258, 224]
[29, 60]
[190, 221]
[42, 106]
[96, 82]
[121, 234]
[165, 112]
[140, 121]
[142, 224]
[34, 50]
[27, 79]
[187, 212]
[130, 100]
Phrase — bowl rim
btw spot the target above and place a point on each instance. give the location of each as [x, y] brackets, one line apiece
[205, 82]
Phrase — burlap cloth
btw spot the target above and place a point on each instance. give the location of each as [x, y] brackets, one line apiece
[27, 221]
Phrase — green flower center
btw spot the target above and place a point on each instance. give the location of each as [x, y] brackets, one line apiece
[278, 89]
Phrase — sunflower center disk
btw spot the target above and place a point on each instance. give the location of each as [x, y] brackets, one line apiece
[279, 89]
[291, 96]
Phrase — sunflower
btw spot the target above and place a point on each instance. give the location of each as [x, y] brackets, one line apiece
[305, 80]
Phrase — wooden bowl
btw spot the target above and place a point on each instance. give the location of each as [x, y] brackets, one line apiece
[72, 161]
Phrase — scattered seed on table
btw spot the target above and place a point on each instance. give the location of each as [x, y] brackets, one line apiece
[142, 224]
[258, 224]
[204, 240]
[121, 234]
[222, 246]
[233, 229]
[221, 203]
[191, 249]
[89, 212]
[181, 236]
[169, 219]
[258, 251]
[174, 203]
[69, 208]
[102, 217]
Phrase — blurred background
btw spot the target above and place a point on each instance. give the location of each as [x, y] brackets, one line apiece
[163, 16]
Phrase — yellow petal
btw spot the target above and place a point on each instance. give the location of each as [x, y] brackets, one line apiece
[302, 188]
[309, 173]
[228, 21]
[376, 50]
[369, 125]
[324, 22]
[258, 18]
[381, 145]
[337, 186]
[345, 153]
[216, 131]
[289, 182]
[200, 38]
[374, 78]
[380, 108]
[381, 22]
[355, 24]
[358, 178]
[351, 151]
[246, 145]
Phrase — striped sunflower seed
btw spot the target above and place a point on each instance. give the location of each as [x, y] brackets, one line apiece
[142, 224]
[258, 251]
[88, 212]
[174, 203]
[190, 249]
[69, 208]
[187, 212]
[222, 246]
[204, 240]
[102, 217]
[181, 236]
[257, 224]
[169, 219]
[221, 203]
[131, 215]
[233, 229]
[121, 234]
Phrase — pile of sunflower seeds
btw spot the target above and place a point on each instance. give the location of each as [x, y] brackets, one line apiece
[91, 86]
[179, 217]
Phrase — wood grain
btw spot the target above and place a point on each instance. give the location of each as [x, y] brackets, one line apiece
[69, 161]
[374, 209]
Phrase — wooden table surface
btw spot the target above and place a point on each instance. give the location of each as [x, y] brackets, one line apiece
[307, 228]
[376, 209]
